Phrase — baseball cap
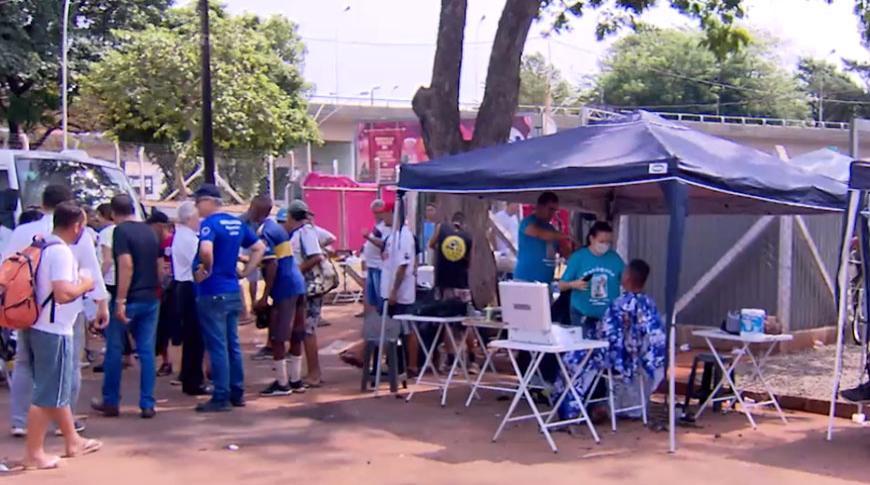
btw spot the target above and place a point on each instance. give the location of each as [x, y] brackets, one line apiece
[297, 206]
[387, 207]
[207, 190]
[157, 217]
[281, 216]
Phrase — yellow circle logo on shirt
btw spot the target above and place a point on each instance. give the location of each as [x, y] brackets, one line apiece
[453, 248]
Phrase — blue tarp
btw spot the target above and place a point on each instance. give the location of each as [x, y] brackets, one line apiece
[615, 167]
[826, 162]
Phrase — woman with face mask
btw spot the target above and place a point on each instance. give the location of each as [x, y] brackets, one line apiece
[593, 275]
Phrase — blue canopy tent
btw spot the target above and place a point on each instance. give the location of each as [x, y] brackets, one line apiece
[859, 187]
[638, 164]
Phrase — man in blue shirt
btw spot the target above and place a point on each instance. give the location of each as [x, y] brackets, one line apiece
[538, 239]
[219, 301]
[286, 286]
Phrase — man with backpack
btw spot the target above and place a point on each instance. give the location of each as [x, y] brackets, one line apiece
[47, 345]
[86, 257]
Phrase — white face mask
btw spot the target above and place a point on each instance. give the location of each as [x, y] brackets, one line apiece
[600, 248]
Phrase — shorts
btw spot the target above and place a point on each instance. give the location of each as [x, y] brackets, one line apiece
[53, 363]
[373, 287]
[313, 307]
[284, 313]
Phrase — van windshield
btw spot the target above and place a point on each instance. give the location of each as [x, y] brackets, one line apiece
[91, 184]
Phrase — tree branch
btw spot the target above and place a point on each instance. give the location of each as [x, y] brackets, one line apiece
[437, 106]
[48, 131]
[500, 99]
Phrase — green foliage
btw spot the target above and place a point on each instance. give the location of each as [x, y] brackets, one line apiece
[840, 96]
[148, 90]
[30, 49]
[538, 78]
[671, 70]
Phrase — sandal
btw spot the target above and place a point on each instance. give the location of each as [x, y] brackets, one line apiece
[90, 446]
[51, 465]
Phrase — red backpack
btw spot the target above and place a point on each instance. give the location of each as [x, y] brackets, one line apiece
[18, 306]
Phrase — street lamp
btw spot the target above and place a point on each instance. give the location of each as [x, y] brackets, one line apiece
[207, 129]
[64, 49]
[372, 93]
[335, 46]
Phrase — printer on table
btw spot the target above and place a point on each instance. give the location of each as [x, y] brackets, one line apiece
[526, 314]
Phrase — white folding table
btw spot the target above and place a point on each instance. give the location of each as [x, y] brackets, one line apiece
[444, 325]
[767, 343]
[538, 351]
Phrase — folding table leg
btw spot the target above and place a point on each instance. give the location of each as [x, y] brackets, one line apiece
[570, 380]
[458, 359]
[428, 354]
[727, 376]
[643, 403]
[579, 399]
[523, 391]
[487, 361]
[721, 382]
[610, 400]
[757, 368]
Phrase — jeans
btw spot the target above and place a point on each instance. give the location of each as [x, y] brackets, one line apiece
[219, 320]
[142, 316]
[21, 387]
[191, 337]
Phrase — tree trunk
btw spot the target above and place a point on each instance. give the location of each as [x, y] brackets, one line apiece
[437, 107]
[14, 134]
[178, 176]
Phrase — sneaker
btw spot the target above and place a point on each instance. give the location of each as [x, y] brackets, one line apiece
[17, 432]
[148, 413]
[107, 411]
[275, 390]
[473, 368]
[858, 394]
[298, 387]
[200, 391]
[175, 382]
[79, 425]
[263, 353]
[164, 370]
[213, 407]
[238, 403]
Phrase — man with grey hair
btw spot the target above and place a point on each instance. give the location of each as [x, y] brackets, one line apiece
[184, 248]
[371, 254]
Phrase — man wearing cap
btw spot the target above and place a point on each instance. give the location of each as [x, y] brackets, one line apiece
[219, 300]
[309, 255]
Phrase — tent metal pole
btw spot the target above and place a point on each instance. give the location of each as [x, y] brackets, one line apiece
[672, 383]
[842, 280]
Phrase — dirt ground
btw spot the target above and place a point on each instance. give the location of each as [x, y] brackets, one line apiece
[336, 435]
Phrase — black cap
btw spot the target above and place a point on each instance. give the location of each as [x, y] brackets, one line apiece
[207, 190]
[157, 217]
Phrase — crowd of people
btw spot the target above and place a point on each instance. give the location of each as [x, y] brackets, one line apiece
[135, 283]
[147, 286]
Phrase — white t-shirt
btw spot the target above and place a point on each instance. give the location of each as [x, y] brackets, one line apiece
[307, 237]
[399, 250]
[371, 254]
[185, 244]
[57, 264]
[324, 237]
[511, 225]
[104, 239]
[84, 250]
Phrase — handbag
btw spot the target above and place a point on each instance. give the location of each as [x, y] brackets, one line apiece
[320, 279]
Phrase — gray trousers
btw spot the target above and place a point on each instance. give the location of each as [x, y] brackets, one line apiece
[21, 388]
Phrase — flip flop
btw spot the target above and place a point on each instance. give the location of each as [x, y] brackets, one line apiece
[314, 385]
[53, 464]
[91, 446]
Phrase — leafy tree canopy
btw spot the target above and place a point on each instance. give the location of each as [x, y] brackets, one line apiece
[148, 89]
[30, 50]
[540, 79]
[671, 70]
[833, 95]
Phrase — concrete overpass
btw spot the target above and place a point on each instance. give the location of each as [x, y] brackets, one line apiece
[338, 119]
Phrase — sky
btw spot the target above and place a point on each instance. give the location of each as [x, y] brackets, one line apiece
[387, 46]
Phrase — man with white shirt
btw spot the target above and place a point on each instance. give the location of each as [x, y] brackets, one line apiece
[86, 257]
[371, 253]
[47, 346]
[398, 278]
[509, 221]
[184, 247]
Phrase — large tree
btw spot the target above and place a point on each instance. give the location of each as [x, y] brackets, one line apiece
[30, 51]
[147, 91]
[670, 70]
[437, 105]
[833, 94]
[542, 82]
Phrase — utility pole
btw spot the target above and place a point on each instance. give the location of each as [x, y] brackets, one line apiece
[207, 129]
[64, 50]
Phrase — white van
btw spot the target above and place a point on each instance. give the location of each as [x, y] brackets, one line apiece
[25, 174]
